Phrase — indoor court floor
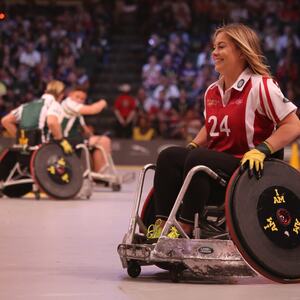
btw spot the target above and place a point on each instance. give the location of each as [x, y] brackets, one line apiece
[68, 250]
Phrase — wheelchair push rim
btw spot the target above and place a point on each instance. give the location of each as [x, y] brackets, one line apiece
[263, 218]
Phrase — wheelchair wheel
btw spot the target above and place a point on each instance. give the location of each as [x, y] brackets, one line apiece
[133, 269]
[58, 175]
[17, 190]
[8, 160]
[263, 218]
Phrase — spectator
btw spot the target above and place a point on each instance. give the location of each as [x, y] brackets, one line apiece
[143, 130]
[30, 57]
[188, 75]
[151, 73]
[125, 112]
[171, 89]
[182, 14]
[141, 98]
[204, 57]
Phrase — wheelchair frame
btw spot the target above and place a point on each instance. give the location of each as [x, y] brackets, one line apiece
[18, 172]
[212, 258]
[108, 175]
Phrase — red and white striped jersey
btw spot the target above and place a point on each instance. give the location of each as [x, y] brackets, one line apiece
[245, 115]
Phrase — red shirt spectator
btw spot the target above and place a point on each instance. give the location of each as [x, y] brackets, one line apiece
[125, 111]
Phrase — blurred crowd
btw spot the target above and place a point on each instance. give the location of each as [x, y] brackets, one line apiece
[39, 43]
[69, 43]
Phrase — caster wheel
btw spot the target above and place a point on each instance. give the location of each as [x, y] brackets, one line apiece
[133, 269]
[176, 274]
[116, 187]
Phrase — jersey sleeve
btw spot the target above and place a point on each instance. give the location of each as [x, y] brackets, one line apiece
[205, 97]
[71, 108]
[273, 103]
[17, 112]
[55, 109]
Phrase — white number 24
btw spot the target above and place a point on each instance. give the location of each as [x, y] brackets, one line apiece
[223, 126]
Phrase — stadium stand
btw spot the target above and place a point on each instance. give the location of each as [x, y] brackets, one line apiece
[152, 45]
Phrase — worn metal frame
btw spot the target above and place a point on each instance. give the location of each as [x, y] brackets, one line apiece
[214, 257]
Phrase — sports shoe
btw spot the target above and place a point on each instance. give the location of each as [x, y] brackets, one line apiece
[173, 234]
[154, 230]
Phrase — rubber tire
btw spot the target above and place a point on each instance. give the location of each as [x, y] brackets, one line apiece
[133, 269]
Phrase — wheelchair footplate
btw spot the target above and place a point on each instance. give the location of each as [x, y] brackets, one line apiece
[205, 259]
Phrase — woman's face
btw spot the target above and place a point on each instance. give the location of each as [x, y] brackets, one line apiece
[226, 55]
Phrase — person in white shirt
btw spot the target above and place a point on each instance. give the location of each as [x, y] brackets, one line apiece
[42, 115]
[75, 129]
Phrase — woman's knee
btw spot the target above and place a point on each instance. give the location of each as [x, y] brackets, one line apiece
[170, 155]
[103, 141]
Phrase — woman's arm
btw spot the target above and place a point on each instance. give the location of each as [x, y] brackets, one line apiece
[94, 108]
[201, 137]
[9, 123]
[288, 130]
[54, 127]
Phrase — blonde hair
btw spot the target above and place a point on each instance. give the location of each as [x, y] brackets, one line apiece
[55, 88]
[248, 42]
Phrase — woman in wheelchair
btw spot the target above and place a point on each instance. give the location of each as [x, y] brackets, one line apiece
[75, 129]
[247, 120]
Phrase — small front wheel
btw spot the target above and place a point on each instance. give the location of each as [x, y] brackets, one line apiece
[176, 274]
[37, 195]
[116, 187]
[133, 269]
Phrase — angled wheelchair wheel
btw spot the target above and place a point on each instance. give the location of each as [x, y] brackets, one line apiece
[8, 160]
[58, 175]
[263, 218]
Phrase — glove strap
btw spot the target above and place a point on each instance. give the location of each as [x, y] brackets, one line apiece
[265, 148]
[192, 145]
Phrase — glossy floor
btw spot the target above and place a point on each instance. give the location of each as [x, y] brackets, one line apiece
[67, 250]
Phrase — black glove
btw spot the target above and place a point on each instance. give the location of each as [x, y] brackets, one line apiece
[65, 145]
[253, 160]
[192, 145]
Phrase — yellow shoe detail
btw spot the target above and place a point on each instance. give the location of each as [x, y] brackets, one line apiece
[173, 234]
[154, 230]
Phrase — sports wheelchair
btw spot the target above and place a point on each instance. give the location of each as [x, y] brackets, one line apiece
[108, 176]
[256, 231]
[30, 166]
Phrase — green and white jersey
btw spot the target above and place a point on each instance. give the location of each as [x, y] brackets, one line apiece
[33, 115]
[72, 121]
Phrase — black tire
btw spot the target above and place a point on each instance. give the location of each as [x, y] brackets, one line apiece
[18, 190]
[133, 269]
[116, 187]
[37, 195]
[176, 274]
